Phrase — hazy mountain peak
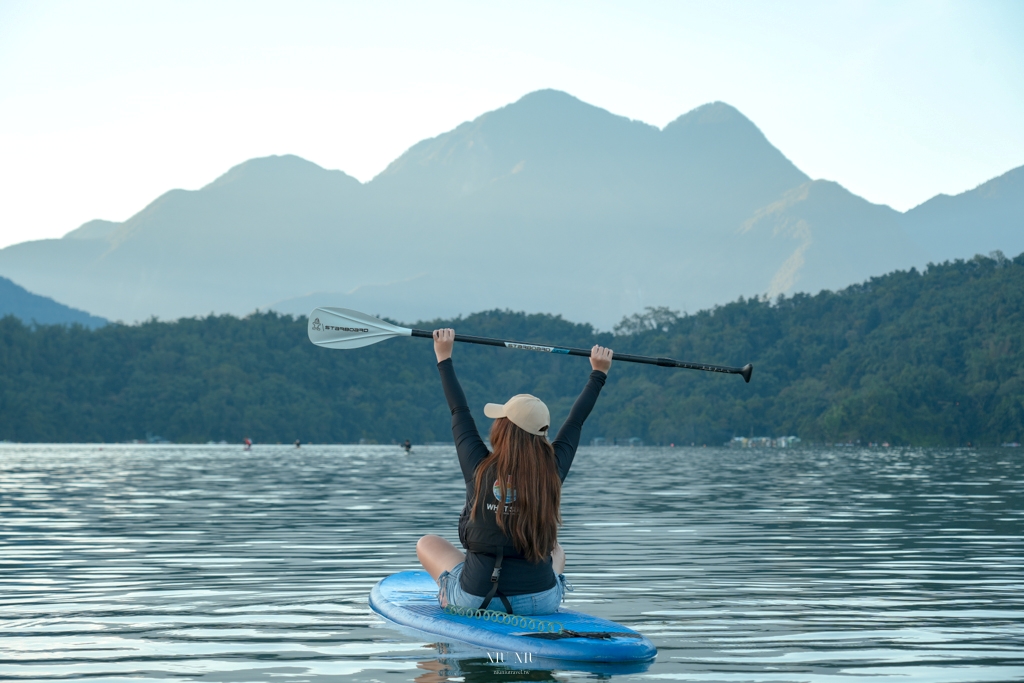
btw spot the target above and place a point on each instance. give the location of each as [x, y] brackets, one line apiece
[712, 113]
[733, 149]
[93, 230]
[547, 98]
[545, 137]
[276, 170]
[239, 205]
[550, 107]
[545, 112]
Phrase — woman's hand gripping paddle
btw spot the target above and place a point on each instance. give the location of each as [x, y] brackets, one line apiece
[342, 328]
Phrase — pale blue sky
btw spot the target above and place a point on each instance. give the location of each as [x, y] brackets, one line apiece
[105, 105]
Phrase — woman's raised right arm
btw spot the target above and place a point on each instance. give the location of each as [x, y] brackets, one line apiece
[568, 439]
[468, 444]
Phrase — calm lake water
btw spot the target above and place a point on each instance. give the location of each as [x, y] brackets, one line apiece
[209, 563]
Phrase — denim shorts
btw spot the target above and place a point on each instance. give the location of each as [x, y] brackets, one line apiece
[545, 602]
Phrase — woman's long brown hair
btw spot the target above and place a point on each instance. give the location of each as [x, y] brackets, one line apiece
[524, 463]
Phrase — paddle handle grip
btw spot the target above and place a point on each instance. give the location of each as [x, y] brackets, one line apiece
[745, 371]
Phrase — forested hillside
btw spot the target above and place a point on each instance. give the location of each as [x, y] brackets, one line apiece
[911, 358]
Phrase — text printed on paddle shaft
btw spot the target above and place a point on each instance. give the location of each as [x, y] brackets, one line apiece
[528, 347]
[345, 329]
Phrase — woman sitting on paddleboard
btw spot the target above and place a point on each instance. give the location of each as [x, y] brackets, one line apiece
[513, 559]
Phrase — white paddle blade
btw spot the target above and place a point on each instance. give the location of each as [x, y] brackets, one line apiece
[341, 328]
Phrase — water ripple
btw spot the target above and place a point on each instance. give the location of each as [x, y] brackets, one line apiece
[210, 563]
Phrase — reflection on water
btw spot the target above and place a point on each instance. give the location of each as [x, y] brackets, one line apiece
[210, 563]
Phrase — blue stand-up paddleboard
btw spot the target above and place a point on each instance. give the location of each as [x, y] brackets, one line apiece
[409, 599]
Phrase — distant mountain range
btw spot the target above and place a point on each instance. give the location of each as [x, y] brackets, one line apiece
[31, 308]
[548, 204]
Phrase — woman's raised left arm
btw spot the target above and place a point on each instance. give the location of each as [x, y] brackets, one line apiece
[568, 439]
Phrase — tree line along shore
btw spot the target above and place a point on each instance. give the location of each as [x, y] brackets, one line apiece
[921, 358]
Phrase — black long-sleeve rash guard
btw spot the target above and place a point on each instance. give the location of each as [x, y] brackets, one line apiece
[518, 576]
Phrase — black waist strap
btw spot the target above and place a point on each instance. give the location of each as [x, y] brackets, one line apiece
[495, 575]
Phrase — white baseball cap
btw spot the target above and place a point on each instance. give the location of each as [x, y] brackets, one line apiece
[524, 411]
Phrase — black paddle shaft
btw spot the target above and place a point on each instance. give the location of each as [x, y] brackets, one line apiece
[647, 360]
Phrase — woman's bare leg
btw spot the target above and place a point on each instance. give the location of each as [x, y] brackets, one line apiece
[558, 558]
[438, 555]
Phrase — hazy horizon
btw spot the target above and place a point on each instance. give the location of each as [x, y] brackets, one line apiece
[109, 105]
